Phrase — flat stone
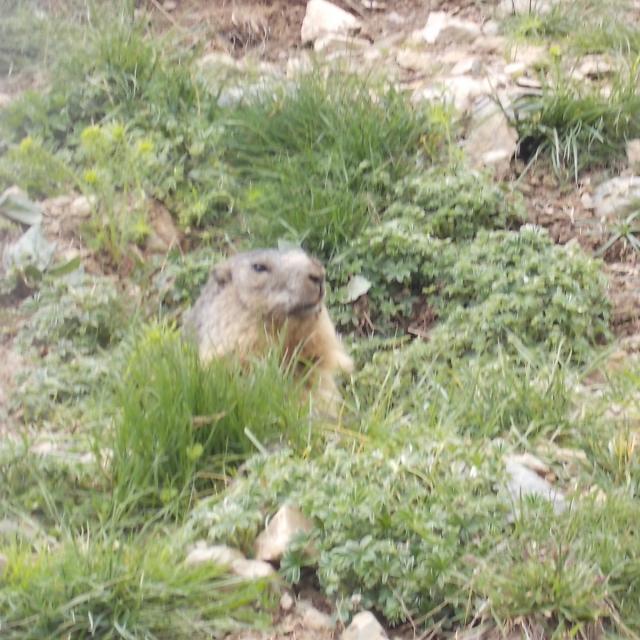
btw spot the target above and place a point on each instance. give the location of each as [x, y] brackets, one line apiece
[252, 569]
[323, 18]
[314, 619]
[274, 540]
[492, 141]
[524, 482]
[219, 554]
[364, 626]
[616, 196]
[442, 28]
[414, 60]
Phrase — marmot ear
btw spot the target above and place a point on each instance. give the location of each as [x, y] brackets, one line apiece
[222, 274]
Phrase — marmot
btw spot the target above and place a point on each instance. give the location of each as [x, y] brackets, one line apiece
[256, 299]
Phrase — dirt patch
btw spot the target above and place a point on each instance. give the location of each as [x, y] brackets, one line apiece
[563, 209]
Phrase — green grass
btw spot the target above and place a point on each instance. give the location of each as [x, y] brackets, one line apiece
[575, 126]
[108, 587]
[184, 426]
[322, 158]
[581, 27]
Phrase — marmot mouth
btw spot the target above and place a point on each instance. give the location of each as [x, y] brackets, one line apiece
[303, 310]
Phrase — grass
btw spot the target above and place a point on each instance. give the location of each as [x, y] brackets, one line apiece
[581, 27]
[338, 148]
[183, 425]
[577, 126]
[108, 587]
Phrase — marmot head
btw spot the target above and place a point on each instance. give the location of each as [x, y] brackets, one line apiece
[275, 284]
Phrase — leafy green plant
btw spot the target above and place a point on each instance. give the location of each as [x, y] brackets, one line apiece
[181, 420]
[500, 283]
[36, 169]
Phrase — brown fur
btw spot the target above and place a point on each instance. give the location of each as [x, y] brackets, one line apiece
[256, 299]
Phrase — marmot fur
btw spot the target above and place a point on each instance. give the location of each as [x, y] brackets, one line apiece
[256, 299]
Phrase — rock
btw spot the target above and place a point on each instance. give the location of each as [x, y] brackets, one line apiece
[218, 554]
[323, 18]
[616, 196]
[164, 235]
[531, 56]
[4, 563]
[251, 569]
[524, 482]
[357, 287]
[82, 206]
[286, 602]
[467, 66]
[364, 626]
[461, 90]
[442, 29]
[515, 69]
[633, 153]
[314, 619]
[273, 541]
[414, 60]
[531, 462]
[594, 67]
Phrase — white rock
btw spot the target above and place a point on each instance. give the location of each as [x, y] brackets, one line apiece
[274, 540]
[443, 28]
[218, 554]
[364, 626]
[615, 196]
[529, 55]
[531, 462]
[314, 619]
[491, 28]
[251, 569]
[515, 69]
[471, 66]
[594, 66]
[524, 482]
[463, 90]
[414, 60]
[357, 287]
[82, 206]
[322, 18]
[633, 153]
[217, 59]
[286, 602]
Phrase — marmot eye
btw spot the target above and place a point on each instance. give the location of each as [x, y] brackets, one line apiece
[258, 267]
